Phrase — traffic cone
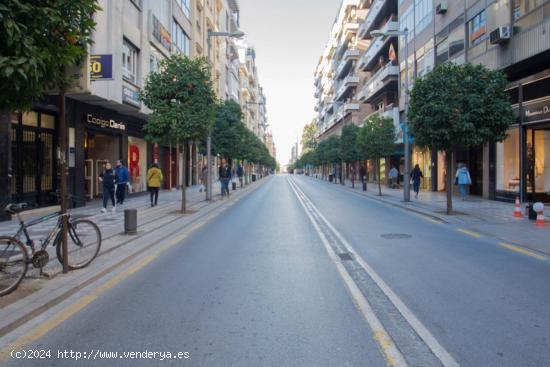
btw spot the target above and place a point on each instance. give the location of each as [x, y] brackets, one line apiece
[517, 209]
[540, 219]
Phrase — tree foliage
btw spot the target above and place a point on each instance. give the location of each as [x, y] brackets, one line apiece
[182, 101]
[308, 140]
[228, 130]
[38, 39]
[349, 150]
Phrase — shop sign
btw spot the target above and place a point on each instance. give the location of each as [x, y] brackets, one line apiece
[130, 96]
[161, 34]
[537, 111]
[105, 123]
[101, 67]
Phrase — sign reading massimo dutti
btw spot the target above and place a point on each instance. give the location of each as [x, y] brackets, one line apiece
[536, 111]
[105, 123]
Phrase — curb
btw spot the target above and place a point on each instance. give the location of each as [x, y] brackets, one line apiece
[215, 210]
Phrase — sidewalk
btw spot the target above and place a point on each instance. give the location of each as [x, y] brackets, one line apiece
[154, 224]
[487, 217]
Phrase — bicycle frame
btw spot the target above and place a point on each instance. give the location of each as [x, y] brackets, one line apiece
[53, 232]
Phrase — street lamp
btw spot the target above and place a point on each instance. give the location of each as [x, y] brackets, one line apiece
[407, 173]
[238, 35]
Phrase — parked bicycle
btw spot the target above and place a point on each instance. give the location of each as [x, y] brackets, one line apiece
[83, 244]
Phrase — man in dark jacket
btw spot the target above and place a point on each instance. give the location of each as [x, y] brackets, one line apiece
[122, 181]
[240, 173]
[225, 176]
[108, 178]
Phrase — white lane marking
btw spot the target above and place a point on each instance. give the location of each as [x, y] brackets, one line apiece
[391, 353]
[437, 349]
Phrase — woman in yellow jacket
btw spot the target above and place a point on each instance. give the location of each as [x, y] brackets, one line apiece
[154, 178]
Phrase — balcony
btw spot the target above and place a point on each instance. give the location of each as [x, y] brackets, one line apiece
[379, 10]
[348, 107]
[378, 44]
[351, 27]
[347, 60]
[379, 82]
[349, 82]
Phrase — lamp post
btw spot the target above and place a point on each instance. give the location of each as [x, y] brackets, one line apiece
[236, 34]
[407, 173]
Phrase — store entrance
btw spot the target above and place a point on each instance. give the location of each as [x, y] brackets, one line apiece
[473, 158]
[538, 164]
[99, 149]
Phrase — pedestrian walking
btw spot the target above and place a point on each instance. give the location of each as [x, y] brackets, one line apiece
[352, 175]
[123, 180]
[463, 180]
[240, 174]
[225, 176]
[363, 173]
[108, 178]
[204, 178]
[392, 176]
[154, 179]
[416, 176]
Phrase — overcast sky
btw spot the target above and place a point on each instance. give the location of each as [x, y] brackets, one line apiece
[289, 37]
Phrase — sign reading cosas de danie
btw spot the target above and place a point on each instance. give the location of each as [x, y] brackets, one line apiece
[105, 123]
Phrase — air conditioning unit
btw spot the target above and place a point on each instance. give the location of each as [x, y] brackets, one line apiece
[441, 8]
[500, 35]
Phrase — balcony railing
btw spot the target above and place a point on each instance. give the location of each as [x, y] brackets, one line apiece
[349, 82]
[378, 81]
[350, 55]
[368, 23]
[369, 57]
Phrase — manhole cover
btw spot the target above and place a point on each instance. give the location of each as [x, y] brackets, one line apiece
[393, 236]
[346, 256]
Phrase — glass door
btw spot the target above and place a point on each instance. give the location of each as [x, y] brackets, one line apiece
[538, 164]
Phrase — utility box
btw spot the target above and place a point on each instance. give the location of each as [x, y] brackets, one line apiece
[130, 221]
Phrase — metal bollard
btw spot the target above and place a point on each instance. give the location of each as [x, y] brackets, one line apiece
[364, 184]
[130, 221]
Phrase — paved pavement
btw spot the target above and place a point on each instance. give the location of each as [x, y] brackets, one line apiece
[300, 274]
[483, 216]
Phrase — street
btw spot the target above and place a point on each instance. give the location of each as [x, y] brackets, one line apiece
[256, 286]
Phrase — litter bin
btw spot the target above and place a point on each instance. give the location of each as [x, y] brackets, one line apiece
[253, 177]
[330, 178]
[234, 185]
[130, 221]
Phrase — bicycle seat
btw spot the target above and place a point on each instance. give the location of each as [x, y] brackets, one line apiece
[15, 208]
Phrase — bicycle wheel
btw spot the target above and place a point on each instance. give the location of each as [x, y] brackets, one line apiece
[83, 243]
[13, 264]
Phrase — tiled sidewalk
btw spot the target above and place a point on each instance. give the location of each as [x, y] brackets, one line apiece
[488, 217]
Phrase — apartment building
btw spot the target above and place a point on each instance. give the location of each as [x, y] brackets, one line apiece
[104, 113]
[511, 35]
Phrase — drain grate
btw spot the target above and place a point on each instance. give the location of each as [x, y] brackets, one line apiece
[393, 236]
[346, 256]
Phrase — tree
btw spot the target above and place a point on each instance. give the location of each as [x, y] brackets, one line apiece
[376, 140]
[459, 107]
[308, 137]
[348, 146]
[228, 130]
[182, 101]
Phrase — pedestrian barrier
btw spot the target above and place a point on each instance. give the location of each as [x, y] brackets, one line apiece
[539, 208]
[517, 209]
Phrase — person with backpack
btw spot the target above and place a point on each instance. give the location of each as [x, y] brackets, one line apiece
[416, 176]
[463, 180]
[123, 180]
[154, 179]
[108, 177]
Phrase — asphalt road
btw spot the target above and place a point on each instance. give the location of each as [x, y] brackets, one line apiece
[258, 286]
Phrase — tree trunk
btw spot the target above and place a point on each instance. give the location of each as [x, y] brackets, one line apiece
[5, 163]
[183, 179]
[449, 181]
[377, 163]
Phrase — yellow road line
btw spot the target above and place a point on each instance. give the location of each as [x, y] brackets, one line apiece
[469, 233]
[435, 221]
[522, 250]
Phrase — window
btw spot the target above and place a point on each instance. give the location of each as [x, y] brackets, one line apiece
[522, 7]
[456, 40]
[442, 52]
[507, 162]
[129, 61]
[416, 18]
[180, 39]
[478, 27]
[154, 60]
[184, 6]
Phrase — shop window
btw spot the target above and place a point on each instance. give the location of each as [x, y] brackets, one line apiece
[130, 56]
[14, 118]
[137, 163]
[30, 118]
[508, 162]
[478, 27]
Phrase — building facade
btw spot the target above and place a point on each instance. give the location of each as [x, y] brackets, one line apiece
[507, 35]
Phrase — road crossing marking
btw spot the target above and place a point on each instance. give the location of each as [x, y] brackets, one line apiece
[437, 349]
[522, 250]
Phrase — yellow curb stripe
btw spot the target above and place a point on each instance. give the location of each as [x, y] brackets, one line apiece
[522, 250]
[469, 233]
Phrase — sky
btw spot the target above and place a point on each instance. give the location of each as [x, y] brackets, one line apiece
[289, 37]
